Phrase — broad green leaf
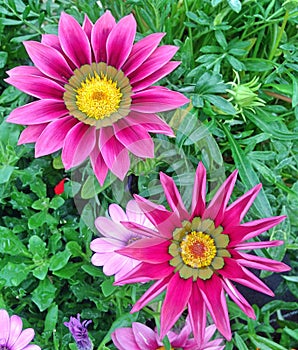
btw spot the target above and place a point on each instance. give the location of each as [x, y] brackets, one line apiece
[44, 294]
[221, 103]
[14, 274]
[235, 5]
[59, 260]
[107, 287]
[3, 58]
[68, 271]
[37, 246]
[5, 173]
[41, 271]
[10, 243]
[56, 202]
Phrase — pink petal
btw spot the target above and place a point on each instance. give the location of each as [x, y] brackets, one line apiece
[238, 298]
[31, 133]
[135, 139]
[197, 314]
[49, 61]
[177, 296]
[36, 86]
[111, 229]
[115, 155]
[53, 136]
[99, 35]
[105, 245]
[199, 192]
[237, 210]
[257, 245]
[87, 26]
[78, 144]
[150, 122]
[157, 99]
[140, 229]
[38, 112]
[252, 229]
[5, 325]
[24, 339]
[151, 293]
[154, 63]
[16, 326]
[31, 347]
[233, 271]
[260, 263]
[217, 206]
[25, 70]
[124, 339]
[173, 196]
[164, 220]
[146, 272]
[154, 77]
[141, 51]
[117, 214]
[120, 41]
[51, 40]
[114, 264]
[214, 297]
[145, 337]
[98, 165]
[148, 250]
[74, 40]
[135, 214]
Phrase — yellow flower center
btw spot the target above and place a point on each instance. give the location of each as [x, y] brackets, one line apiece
[98, 97]
[197, 249]
[163, 348]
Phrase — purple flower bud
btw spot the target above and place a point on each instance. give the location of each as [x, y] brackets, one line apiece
[79, 332]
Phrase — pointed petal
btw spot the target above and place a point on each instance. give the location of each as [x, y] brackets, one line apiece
[217, 206]
[237, 210]
[197, 314]
[151, 293]
[5, 325]
[74, 40]
[144, 336]
[24, 339]
[146, 272]
[135, 139]
[252, 229]
[16, 326]
[51, 40]
[152, 250]
[157, 99]
[53, 136]
[173, 197]
[49, 61]
[98, 165]
[87, 26]
[257, 245]
[156, 76]
[99, 35]
[164, 220]
[150, 122]
[115, 155]
[36, 86]
[117, 214]
[120, 41]
[257, 262]
[111, 229]
[78, 144]
[238, 298]
[199, 192]
[140, 229]
[31, 133]
[154, 63]
[38, 112]
[25, 71]
[141, 51]
[177, 296]
[123, 339]
[213, 294]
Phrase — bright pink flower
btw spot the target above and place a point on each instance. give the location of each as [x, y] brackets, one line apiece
[116, 236]
[11, 335]
[95, 93]
[141, 337]
[199, 255]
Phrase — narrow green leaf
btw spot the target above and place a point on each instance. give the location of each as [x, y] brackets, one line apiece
[3, 58]
[51, 318]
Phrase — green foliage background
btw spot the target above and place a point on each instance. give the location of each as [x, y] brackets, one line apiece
[45, 270]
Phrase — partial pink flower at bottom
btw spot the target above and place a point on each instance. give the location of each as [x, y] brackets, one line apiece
[11, 335]
[141, 337]
[117, 236]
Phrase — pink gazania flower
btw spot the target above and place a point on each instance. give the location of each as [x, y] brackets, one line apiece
[141, 337]
[200, 254]
[116, 236]
[11, 335]
[95, 93]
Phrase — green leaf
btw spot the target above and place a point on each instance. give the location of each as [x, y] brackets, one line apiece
[107, 287]
[75, 249]
[44, 294]
[10, 243]
[37, 220]
[5, 173]
[235, 5]
[59, 260]
[57, 202]
[93, 270]
[221, 103]
[14, 274]
[68, 271]
[37, 246]
[265, 343]
[3, 58]
[291, 278]
[235, 63]
[247, 175]
[51, 318]
[239, 342]
[41, 271]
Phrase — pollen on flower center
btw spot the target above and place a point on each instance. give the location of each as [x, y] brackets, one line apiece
[198, 249]
[98, 97]
[163, 348]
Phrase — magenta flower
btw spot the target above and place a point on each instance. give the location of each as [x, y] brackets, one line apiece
[95, 95]
[199, 255]
[141, 337]
[79, 332]
[11, 335]
[116, 236]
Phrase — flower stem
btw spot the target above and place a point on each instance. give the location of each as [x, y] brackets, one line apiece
[279, 36]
